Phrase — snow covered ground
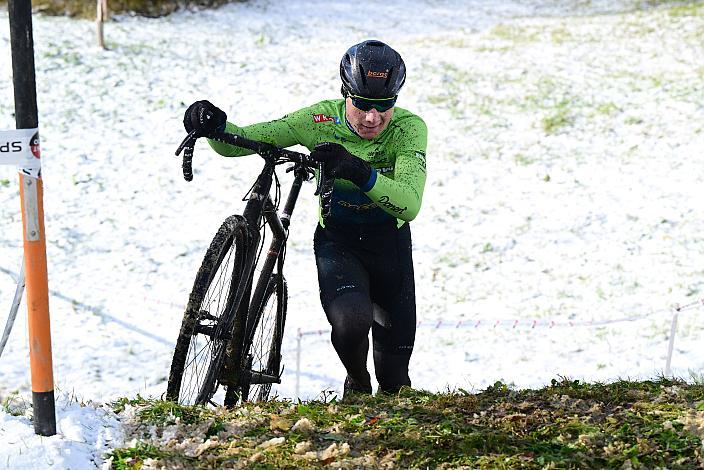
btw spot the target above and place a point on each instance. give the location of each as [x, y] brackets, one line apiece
[562, 216]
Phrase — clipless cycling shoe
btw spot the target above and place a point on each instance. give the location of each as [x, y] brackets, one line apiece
[352, 387]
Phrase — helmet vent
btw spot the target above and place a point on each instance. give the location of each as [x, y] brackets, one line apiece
[362, 75]
[390, 73]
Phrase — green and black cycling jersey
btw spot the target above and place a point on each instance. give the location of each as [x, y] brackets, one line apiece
[396, 155]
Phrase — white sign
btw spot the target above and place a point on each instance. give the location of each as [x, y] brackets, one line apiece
[21, 147]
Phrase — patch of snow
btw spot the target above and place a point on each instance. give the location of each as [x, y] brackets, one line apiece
[561, 219]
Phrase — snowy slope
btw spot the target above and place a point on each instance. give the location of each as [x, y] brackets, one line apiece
[563, 194]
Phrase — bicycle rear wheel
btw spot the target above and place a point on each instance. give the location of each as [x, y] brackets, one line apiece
[260, 357]
[202, 339]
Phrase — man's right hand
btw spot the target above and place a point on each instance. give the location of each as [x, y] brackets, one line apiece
[204, 118]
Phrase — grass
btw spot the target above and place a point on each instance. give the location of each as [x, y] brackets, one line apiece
[558, 118]
[13, 404]
[523, 160]
[692, 9]
[515, 34]
[569, 424]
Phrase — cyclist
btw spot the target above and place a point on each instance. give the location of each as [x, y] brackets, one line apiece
[376, 153]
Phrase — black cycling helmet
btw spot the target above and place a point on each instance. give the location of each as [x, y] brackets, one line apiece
[373, 70]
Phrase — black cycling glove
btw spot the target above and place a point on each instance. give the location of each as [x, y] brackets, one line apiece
[205, 118]
[339, 163]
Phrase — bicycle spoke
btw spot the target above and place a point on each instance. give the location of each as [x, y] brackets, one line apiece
[260, 346]
[264, 351]
[197, 367]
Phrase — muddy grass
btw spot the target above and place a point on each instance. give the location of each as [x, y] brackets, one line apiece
[569, 424]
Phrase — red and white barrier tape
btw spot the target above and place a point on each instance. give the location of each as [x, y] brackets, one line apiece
[527, 323]
[689, 306]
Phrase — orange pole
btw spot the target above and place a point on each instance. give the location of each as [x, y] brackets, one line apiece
[36, 282]
[31, 196]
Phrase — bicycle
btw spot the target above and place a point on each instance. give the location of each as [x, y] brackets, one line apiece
[232, 329]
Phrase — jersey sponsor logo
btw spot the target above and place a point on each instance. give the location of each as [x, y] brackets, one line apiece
[319, 118]
[384, 201]
[374, 74]
[357, 207]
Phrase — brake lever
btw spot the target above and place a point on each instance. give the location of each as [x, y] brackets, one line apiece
[191, 136]
[324, 189]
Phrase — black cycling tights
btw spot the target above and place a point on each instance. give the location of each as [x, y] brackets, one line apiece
[366, 281]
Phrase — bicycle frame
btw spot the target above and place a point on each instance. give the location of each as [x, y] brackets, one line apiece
[246, 305]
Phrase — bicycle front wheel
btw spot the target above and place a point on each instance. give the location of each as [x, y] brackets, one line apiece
[202, 339]
[260, 360]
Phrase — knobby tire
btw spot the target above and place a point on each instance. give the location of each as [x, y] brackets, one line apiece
[202, 340]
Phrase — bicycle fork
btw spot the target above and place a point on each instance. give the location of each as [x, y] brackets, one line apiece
[268, 282]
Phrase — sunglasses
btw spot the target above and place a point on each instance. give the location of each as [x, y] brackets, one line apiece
[366, 104]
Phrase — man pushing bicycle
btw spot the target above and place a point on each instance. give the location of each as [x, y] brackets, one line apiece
[376, 154]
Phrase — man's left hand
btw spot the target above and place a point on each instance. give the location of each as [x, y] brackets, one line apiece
[339, 163]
